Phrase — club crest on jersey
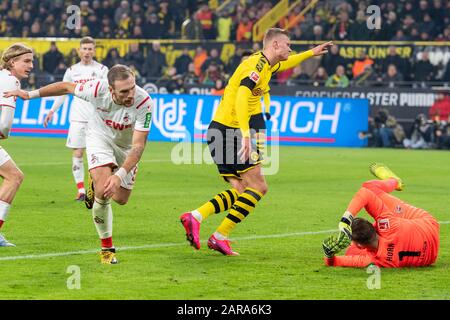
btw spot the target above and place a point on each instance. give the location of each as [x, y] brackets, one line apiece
[383, 224]
[126, 118]
[254, 77]
[94, 75]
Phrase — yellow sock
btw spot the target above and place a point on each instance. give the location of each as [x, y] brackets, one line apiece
[221, 202]
[241, 208]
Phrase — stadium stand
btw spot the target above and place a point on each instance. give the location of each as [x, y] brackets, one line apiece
[161, 39]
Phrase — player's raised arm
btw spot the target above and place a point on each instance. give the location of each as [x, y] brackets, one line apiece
[296, 59]
[51, 90]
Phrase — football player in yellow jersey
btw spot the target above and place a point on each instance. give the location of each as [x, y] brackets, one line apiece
[229, 138]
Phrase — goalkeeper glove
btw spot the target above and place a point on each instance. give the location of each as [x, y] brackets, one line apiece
[333, 244]
[345, 226]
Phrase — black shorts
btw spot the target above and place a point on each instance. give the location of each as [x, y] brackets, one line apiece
[224, 143]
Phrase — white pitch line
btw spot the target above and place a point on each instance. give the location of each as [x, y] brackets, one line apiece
[165, 245]
[36, 164]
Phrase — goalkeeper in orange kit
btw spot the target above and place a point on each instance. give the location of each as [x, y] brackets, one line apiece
[402, 235]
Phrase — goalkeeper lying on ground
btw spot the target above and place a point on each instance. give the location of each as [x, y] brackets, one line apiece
[402, 235]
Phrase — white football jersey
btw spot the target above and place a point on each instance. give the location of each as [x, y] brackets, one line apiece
[8, 82]
[81, 110]
[113, 121]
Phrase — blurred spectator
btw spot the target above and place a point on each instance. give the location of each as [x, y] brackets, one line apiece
[192, 29]
[297, 34]
[200, 56]
[392, 78]
[219, 88]
[112, 58]
[134, 56]
[172, 81]
[333, 59]
[123, 8]
[399, 36]
[423, 70]
[368, 77]
[442, 134]
[298, 77]
[190, 77]
[213, 58]
[440, 110]
[244, 30]
[183, 61]
[359, 31]
[393, 58]
[155, 62]
[52, 58]
[212, 74]
[386, 131]
[320, 77]
[338, 80]
[422, 134]
[342, 27]
[224, 23]
[60, 71]
[360, 64]
[207, 20]
[153, 27]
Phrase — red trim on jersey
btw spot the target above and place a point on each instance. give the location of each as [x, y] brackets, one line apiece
[140, 104]
[7, 105]
[96, 89]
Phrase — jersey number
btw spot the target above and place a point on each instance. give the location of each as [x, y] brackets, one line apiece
[402, 254]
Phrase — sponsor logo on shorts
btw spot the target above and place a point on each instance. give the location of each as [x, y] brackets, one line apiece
[94, 159]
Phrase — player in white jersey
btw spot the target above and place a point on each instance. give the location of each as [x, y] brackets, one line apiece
[116, 137]
[80, 111]
[15, 64]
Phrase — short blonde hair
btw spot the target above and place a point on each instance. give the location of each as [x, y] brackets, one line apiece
[119, 72]
[87, 40]
[11, 53]
[272, 33]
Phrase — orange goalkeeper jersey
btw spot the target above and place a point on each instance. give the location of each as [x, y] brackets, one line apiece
[408, 236]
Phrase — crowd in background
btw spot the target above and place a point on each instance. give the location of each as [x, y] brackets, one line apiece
[402, 20]
[415, 20]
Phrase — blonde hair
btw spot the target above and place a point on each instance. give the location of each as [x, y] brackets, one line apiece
[272, 33]
[87, 40]
[11, 53]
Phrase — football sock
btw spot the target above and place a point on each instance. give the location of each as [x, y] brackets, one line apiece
[221, 202]
[103, 220]
[244, 204]
[377, 186]
[78, 173]
[4, 209]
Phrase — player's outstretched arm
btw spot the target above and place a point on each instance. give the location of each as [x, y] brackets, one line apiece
[296, 59]
[54, 89]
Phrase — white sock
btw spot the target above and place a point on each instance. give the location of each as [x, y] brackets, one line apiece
[219, 236]
[4, 210]
[78, 173]
[103, 217]
[197, 215]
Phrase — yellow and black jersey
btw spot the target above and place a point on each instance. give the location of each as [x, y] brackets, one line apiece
[250, 81]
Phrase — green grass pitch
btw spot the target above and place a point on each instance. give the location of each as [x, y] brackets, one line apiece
[279, 243]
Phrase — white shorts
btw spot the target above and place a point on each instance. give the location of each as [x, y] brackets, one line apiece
[101, 152]
[4, 156]
[76, 139]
